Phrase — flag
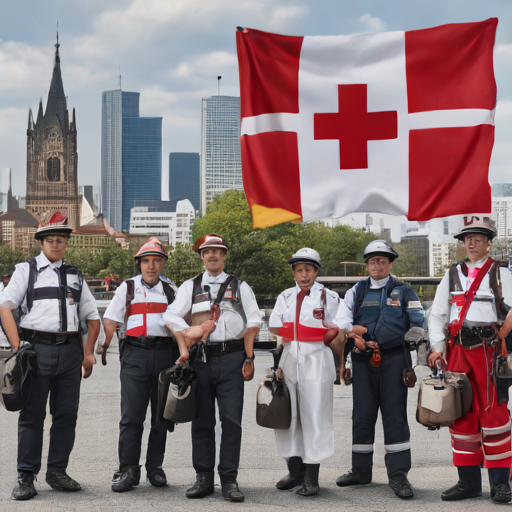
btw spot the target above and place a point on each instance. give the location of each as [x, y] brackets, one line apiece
[393, 122]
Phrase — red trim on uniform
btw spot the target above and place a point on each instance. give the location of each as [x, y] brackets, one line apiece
[144, 309]
[286, 331]
[466, 446]
[468, 459]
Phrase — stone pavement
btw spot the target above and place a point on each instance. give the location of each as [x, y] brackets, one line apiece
[94, 459]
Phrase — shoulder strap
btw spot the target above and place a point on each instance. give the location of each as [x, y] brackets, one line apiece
[130, 295]
[455, 327]
[223, 288]
[495, 285]
[32, 276]
[169, 292]
[455, 284]
[196, 288]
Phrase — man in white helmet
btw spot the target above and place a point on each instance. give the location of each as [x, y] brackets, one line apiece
[470, 304]
[299, 316]
[378, 312]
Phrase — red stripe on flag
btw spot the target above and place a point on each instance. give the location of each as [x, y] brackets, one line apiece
[269, 72]
[450, 67]
[270, 170]
[448, 171]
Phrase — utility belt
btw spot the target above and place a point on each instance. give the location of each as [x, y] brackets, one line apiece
[151, 342]
[472, 337]
[367, 354]
[205, 350]
[50, 338]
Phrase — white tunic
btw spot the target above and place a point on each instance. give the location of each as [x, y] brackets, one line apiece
[309, 374]
[443, 312]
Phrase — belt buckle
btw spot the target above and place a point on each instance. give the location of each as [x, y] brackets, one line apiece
[224, 346]
[60, 340]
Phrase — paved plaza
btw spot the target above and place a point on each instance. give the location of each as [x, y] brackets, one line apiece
[94, 459]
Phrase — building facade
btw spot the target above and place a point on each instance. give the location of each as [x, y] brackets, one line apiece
[221, 166]
[184, 178]
[171, 222]
[501, 190]
[5, 187]
[52, 180]
[131, 156]
[502, 207]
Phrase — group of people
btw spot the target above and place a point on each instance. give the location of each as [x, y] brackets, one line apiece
[211, 322]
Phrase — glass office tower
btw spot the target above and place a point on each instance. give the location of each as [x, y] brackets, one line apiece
[221, 167]
[184, 178]
[131, 163]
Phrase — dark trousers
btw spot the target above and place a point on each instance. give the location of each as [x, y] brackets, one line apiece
[140, 368]
[57, 374]
[219, 378]
[380, 387]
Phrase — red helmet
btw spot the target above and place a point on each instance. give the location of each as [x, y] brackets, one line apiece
[57, 225]
[153, 247]
[209, 242]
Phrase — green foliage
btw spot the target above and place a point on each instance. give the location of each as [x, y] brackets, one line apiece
[183, 264]
[261, 256]
[8, 259]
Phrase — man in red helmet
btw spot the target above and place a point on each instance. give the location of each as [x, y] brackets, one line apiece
[54, 299]
[224, 359]
[471, 301]
[146, 348]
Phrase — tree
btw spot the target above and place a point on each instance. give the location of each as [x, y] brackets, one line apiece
[183, 264]
[9, 259]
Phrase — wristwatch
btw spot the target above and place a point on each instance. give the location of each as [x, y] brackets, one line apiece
[249, 360]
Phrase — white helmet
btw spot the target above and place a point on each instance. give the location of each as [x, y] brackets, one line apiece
[477, 224]
[306, 255]
[380, 247]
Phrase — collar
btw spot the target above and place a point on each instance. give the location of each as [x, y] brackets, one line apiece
[312, 291]
[208, 279]
[477, 264]
[148, 285]
[42, 262]
[380, 283]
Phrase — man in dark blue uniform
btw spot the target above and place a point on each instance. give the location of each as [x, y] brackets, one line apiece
[378, 312]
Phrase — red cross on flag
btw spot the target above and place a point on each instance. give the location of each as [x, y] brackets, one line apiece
[393, 122]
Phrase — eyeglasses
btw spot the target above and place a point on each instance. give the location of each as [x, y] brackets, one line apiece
[58, 241]
[475, 239]
[378, 261]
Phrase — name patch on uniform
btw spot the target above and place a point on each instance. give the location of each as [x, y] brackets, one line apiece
[391, 302]
[318, 314]
[370, 303]
[414, 304]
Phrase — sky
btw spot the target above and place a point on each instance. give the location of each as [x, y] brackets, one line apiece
[171, 51]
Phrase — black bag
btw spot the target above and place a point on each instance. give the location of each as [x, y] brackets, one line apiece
[176, 395]
[273, 404]
[16, 378]
[503, 378]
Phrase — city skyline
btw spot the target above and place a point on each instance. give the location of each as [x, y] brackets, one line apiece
[173, 55]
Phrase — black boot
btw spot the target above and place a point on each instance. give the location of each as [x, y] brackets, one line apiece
[130, 477]
[500, 486]
[295, 476]
[468, 486]
[202, 487]
[59, 480]
[310, 485]
[400, 485]
[157, 477]
[230, 490]
[25, 489]
[355, 476]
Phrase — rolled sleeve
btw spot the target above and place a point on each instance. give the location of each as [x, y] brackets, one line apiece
[439, 315]
[344, 318]
[181, 306]
[251, 309]
[14, 293]
[88, 306]
[116, 309]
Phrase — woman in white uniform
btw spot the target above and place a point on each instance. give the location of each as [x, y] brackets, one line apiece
[309, 370]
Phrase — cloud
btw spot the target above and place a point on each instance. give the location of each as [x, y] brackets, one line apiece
[370, 23]
[205, 65]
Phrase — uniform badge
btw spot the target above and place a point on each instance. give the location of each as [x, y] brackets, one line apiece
[391, 302]
[229, 294]
[318, 314]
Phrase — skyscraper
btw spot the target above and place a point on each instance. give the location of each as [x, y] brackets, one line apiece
[501, 190]
[52, 181]
[221, 167]
[184, 178]
[5, 185]
[131, 156]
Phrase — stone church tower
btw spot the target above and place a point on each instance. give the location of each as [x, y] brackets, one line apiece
[52, 181]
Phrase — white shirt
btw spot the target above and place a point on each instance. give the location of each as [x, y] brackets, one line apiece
[182, 305]
[45, 314]
[442, 312]
[345, 315]
[142, 293]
